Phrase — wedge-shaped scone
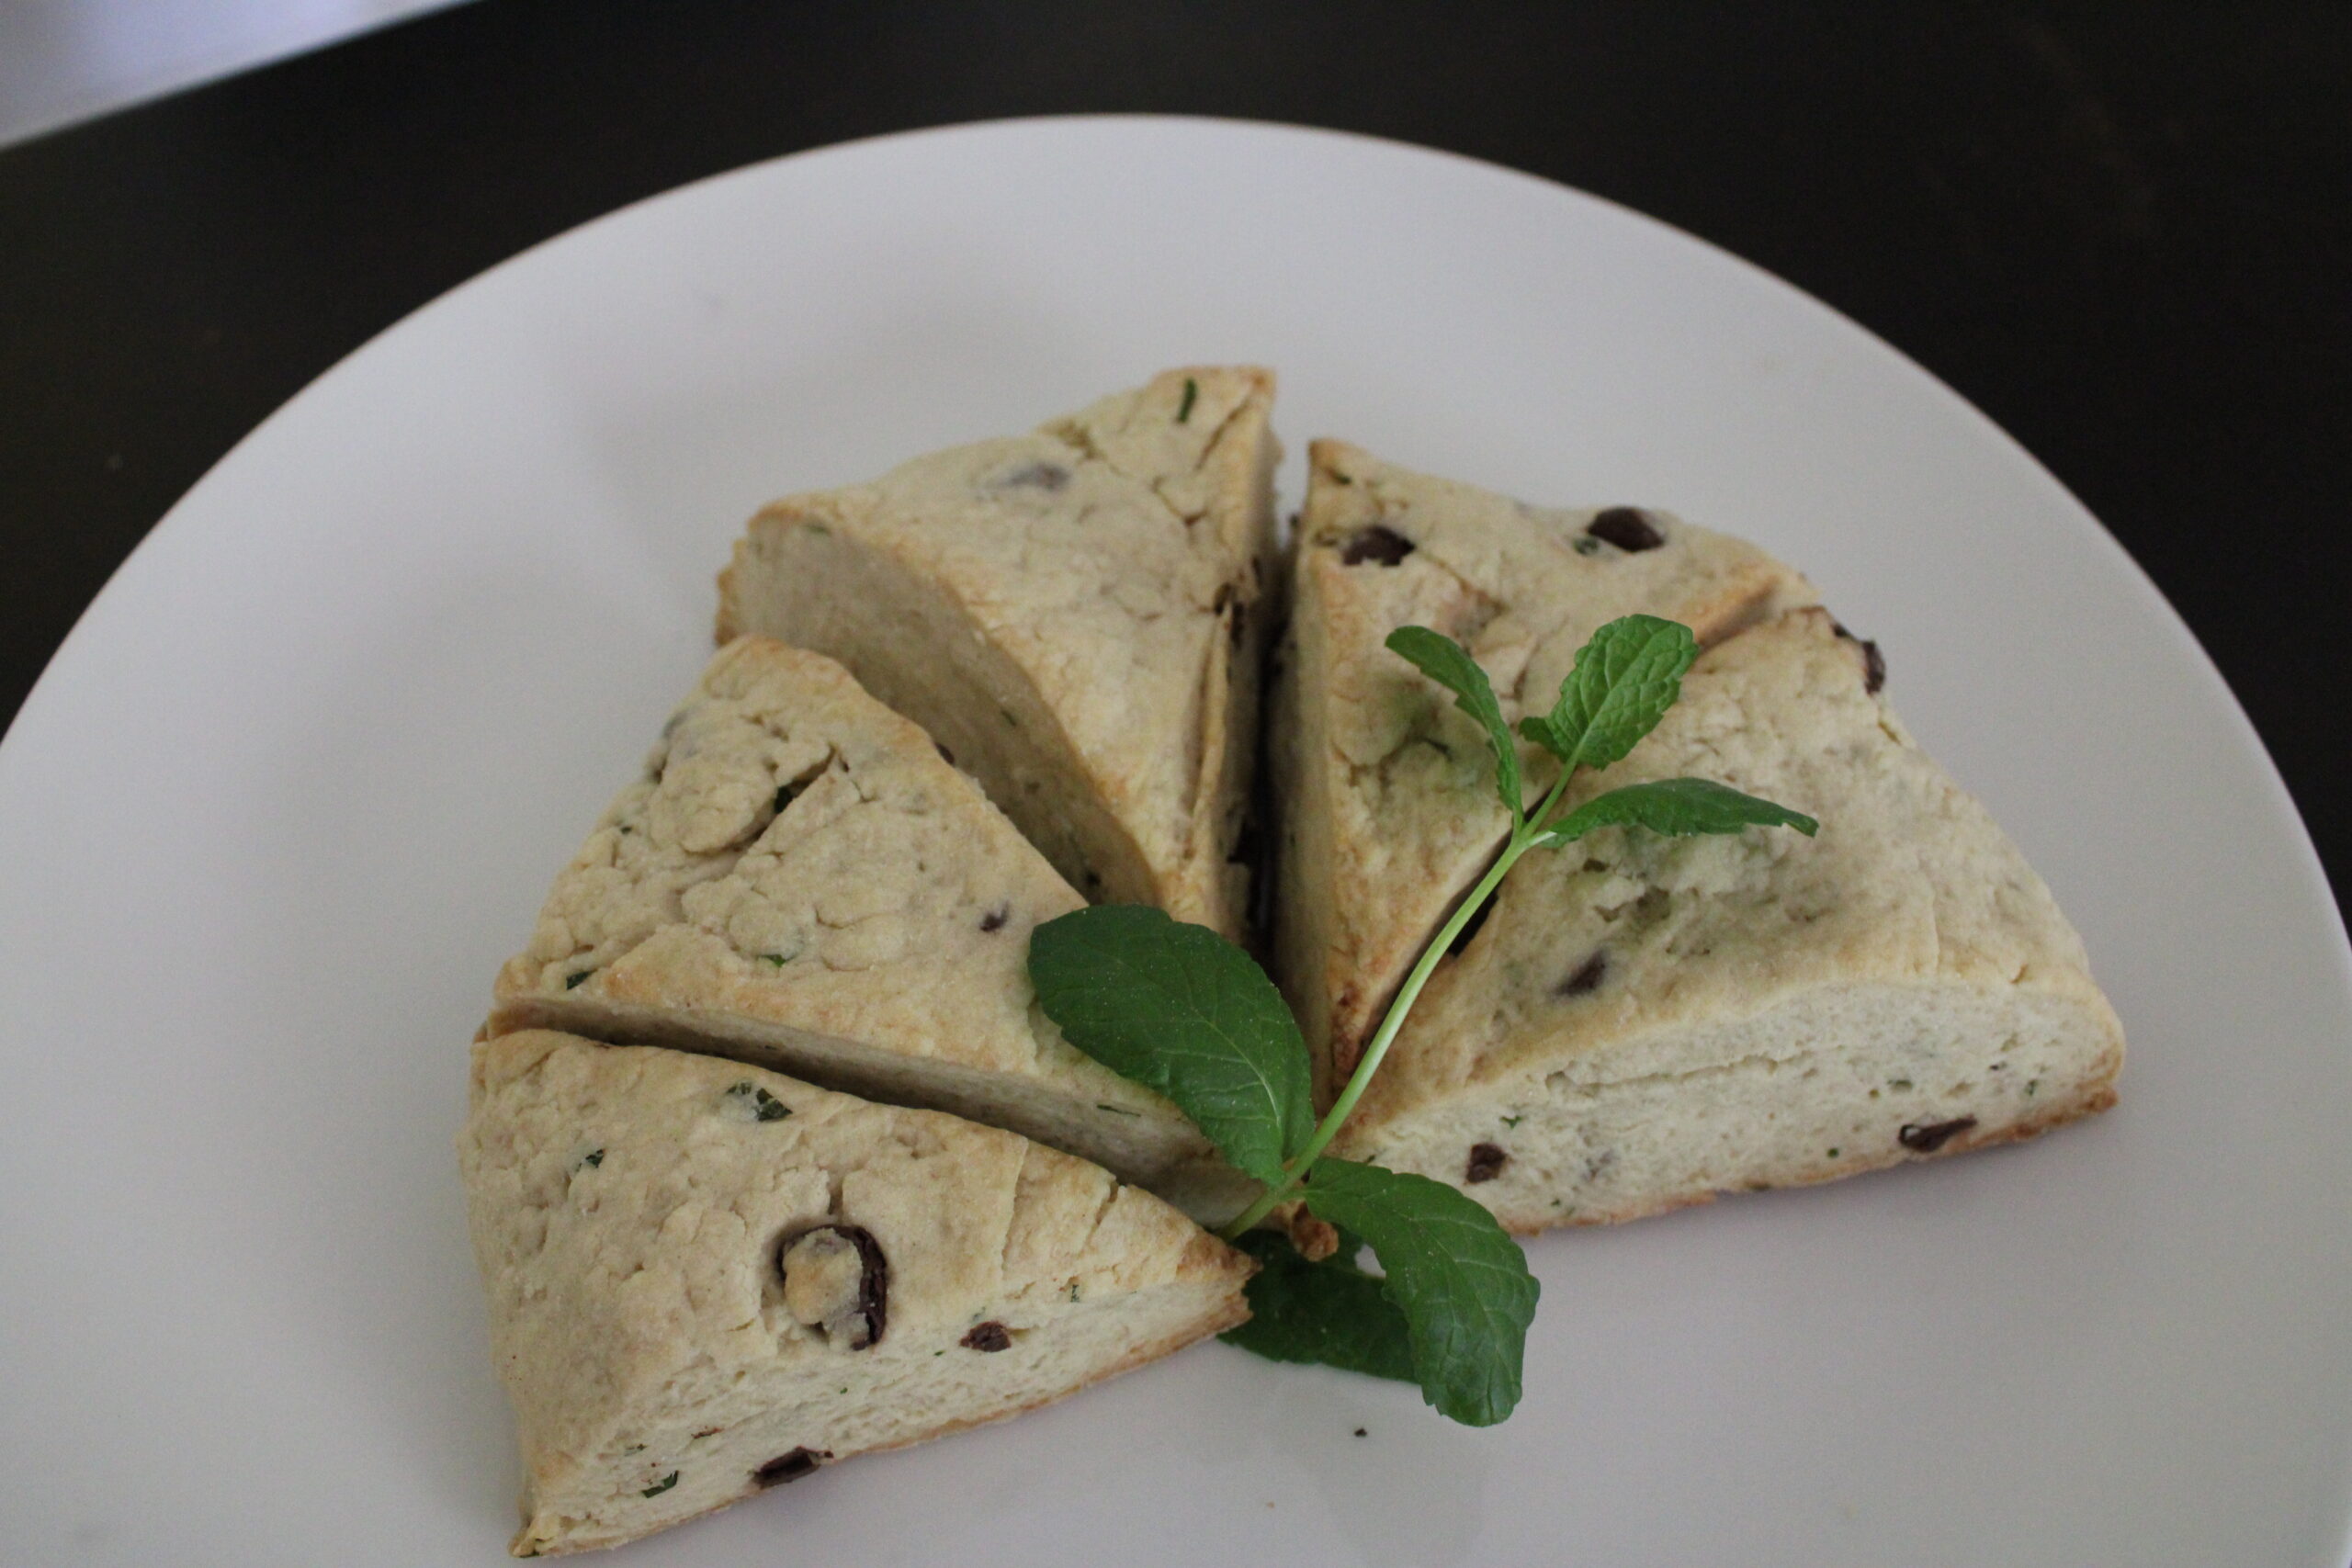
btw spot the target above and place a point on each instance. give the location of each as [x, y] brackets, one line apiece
[801, 880]
[705, 1279]
[1074, 613]
[1642, 1021]
[1387, 790]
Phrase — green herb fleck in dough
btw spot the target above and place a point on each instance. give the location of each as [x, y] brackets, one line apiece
[593, 1158]
[1832, 1154]
[778, 959]
[1898, 1083]
[572, 982]
[1513, 1121]
[2031, 1085]
[1192, 391]
[764, 1106]
[1586, 546]
[660, 1486]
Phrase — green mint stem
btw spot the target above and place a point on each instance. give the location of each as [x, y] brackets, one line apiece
[1523, 834]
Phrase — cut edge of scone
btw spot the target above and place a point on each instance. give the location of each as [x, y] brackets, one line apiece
[1643, 1023]
[1117, 727]
[802, 880]
[1379, 546]
[706, 1280]
[1755, 1109]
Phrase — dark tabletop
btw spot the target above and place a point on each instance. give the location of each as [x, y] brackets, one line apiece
[2123, 230]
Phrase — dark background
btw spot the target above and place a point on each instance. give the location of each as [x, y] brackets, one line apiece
[2123, 230]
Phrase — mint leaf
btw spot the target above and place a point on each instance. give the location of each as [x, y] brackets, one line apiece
[1621, 685]
[1448, 663]
[1179, 1009]
[1677, 808]
[1461, 1283]
[1331, 1313]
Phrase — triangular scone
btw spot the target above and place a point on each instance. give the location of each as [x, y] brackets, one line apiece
[1644, 1021]
[1073, 612]
[705, 1279]
[803, 881]
[1390, 810]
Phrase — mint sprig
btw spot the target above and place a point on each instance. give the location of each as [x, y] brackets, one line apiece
[1178, 1009]
[1448, 663]
[1331, 1313]
[1460, 1282]
[1677, 809]
[1620, 685]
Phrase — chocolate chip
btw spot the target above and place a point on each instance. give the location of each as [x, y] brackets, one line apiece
[1486, 1162]
[1873, 661]
[791, 1466]
[989, 1337]
[945, 754]
[1588, 976]
[1048, 476]
[1928, 1137]
[1628, 528]
[994, 920]
[836, 1280]
[1469, 929]
[1382, 546]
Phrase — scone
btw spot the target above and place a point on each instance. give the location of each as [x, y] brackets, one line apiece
[802, 880]
[706, 1280]
[1387, 790]
[1642, 1021]
[1074, 613]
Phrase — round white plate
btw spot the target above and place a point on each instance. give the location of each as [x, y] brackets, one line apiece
[299, 778]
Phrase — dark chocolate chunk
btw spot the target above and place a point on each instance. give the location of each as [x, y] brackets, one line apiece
[791, 1466]
[1929, 1136]
[1588, 976]
[1486, 1162]
[1048, 476]
[1382, 546]
[850, 1308]
[1627, 527]
[1469, 929]
[990, 1335]
[994, 920]
[1873, 661]
[1873, 669]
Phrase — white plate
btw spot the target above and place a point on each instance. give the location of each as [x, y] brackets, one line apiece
[298, 781]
